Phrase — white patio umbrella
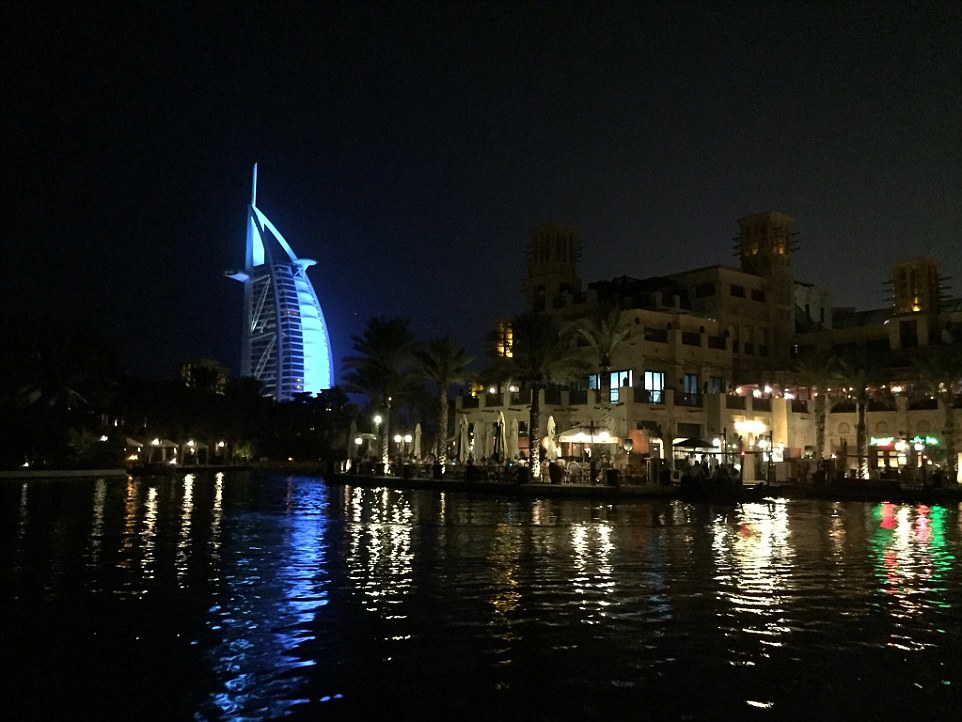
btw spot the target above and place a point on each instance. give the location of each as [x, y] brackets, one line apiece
[552, 446]
[481, 439]
[501, 443]
[417, 441]
[513, 439]
[462, 439]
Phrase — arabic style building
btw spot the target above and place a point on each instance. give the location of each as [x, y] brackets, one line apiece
[710, 352]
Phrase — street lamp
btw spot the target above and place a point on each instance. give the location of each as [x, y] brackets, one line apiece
[377, 429]
[387, 432]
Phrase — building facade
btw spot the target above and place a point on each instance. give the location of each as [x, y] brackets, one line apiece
[286, 345]
[709, 354]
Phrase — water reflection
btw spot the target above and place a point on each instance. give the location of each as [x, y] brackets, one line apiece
[148, 535]
[592, 580]
[379, 560]
[273, 588]
[503, 560]
[911, 559]
[259, 595]
[754, 563]
[184, 539]
[217, 514]
[97, 524]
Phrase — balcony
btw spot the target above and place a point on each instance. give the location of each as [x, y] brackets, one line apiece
[693, 400]
[736, 402]
[520, 398]
[647, 396]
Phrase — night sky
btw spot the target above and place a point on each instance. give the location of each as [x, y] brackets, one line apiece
[409, 148]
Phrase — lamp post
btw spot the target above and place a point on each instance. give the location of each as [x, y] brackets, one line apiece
[387, 432]
[377, 429]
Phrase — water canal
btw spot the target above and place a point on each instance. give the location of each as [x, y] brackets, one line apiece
[260, 596]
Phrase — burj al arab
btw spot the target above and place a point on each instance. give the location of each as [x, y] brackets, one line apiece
[286, 345]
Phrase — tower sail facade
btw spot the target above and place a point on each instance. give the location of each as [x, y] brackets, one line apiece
[286, 345]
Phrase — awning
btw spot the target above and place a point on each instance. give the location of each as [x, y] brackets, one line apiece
[587, 434]
[693, 444]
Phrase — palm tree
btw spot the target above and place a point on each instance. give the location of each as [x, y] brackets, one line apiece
[939, 374]
[62, 382]
[443, 363]
[865, 378]
[816, 372]
[382, 368]
[603, 332]
[538, 356]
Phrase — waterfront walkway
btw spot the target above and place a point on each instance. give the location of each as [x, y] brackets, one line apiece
[754, 491]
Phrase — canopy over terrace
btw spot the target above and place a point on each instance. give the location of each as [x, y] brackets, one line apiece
[693, 444]
[588, 434]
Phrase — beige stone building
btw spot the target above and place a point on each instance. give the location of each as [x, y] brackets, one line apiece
[709, 354]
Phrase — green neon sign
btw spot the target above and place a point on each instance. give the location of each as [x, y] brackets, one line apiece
[927, 440]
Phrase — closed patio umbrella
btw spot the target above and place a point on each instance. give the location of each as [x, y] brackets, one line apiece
[462, 439]
[513, 439]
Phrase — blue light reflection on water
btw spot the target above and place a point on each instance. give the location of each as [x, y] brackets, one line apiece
[272, 589]
[263, 596]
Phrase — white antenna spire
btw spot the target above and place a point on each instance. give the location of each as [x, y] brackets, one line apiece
[254, 187]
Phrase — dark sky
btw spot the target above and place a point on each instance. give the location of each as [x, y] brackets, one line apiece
[409, 148]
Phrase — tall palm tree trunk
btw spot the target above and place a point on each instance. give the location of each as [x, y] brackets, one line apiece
[441, 442]
[534, 430]
[948, 436]
[820, 413]
[860, 448]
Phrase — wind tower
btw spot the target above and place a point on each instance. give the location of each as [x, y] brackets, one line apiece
[553, 254]
[285, 344]
[917, 293]
[765, 243]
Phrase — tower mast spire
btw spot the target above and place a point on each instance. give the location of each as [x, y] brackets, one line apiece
[254, 187]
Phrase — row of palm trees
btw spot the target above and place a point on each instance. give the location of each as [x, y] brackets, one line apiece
[863, 379]
[389, 366]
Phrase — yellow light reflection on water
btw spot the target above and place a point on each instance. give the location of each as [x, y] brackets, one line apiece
[380, 556]
[183, 539]
[502, 563]
[148, 534]
[217, 515]
[754, 562]
[97, 525]
[593, 579]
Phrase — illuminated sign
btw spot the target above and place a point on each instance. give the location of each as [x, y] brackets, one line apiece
[881, 440]
[927, 440]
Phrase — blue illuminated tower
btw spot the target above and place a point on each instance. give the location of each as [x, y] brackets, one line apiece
[286, 344]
